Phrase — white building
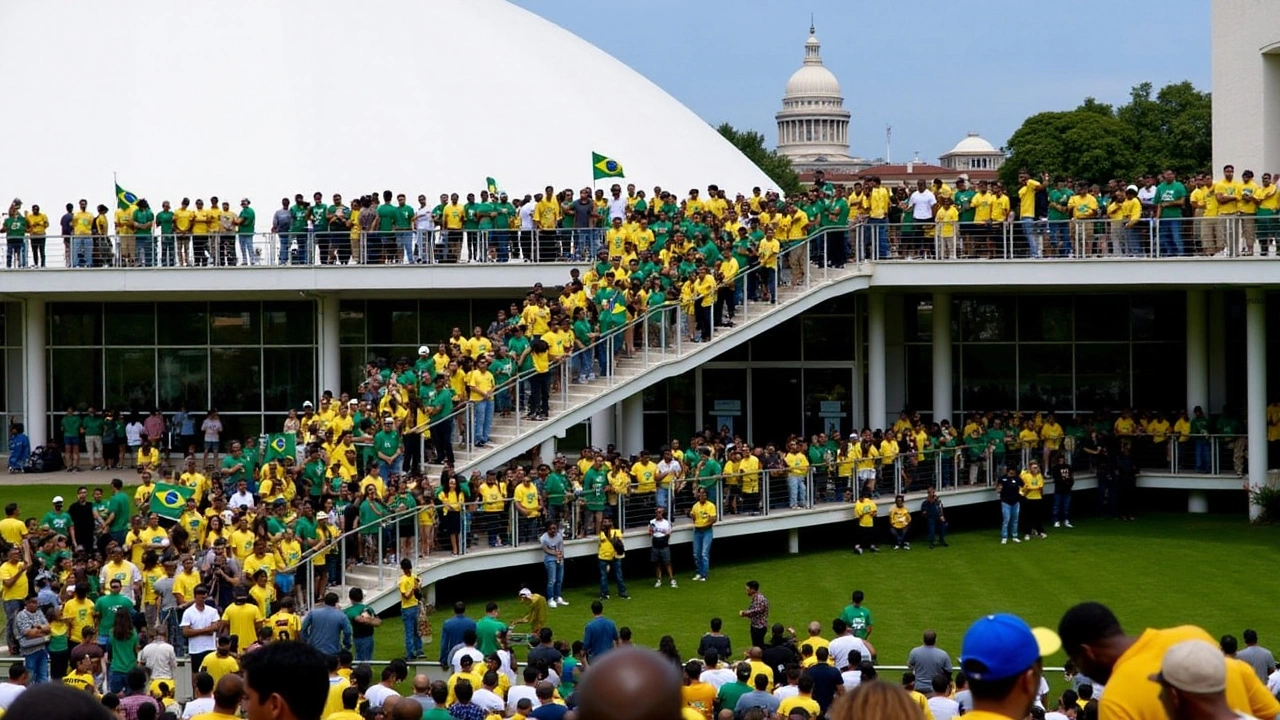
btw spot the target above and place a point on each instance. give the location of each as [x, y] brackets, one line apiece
[972, 153]
[1246, 85]
[813, 125]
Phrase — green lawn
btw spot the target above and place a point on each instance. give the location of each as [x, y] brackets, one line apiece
[34, 499]
[1161, 570]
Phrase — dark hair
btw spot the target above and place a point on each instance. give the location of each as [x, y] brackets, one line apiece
[440, 692]
[597, 607]
[291, 669]
[1229, 644]
[136, 679]
[53, 701]
[122, 629]
[940, 683]
[204, 683]
[17, 670]
[1086, 624]
[463, 691]
[991, 689]
[1250, 637]
[753, 585]
[716, 624]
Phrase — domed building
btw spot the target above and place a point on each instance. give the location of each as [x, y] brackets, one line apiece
[973, 153]
[813, 125]
[267, 98]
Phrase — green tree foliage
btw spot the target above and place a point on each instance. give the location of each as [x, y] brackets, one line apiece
[777, 167]
[1097, 142]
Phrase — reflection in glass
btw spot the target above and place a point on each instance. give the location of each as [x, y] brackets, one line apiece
[131, 378]
[288, 377]
[75, 323]
[1102, 376]
[989, 374]
[235, 379]
[1102, 317]
[288, 323]
[828, 399]
[234, 323]
[828, 338]
[76, 375]
[183, 323]
[1044, 317]
[183, 378]
[1044, 377]
[986, 319]
[130, 324]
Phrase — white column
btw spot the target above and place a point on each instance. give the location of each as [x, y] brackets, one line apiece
[793, 541]
[602, 429]
[1255, 352]
[1197, 351]
[631, 434]
[876, 414]
[36, 412]
[942, 356]
[330, 359]
[1217, 352]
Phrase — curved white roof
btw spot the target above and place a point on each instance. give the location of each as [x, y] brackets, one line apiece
[812, 80]
[972, 143]
[265, 98]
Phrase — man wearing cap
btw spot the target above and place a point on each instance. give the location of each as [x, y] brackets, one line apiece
[1099, 647]
[537, 614]
[1193, 683]
[57, 519]
[1001, 656]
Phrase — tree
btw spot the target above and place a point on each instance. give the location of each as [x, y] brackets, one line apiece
[777, 167]
[1097, 142]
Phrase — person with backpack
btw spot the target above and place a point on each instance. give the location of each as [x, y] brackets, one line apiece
[19, 448]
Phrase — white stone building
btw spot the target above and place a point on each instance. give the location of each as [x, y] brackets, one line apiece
[813, 125]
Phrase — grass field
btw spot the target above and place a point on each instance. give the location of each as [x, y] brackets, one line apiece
[1215, 571]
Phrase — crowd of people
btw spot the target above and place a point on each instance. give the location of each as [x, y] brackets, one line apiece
[1054, 216]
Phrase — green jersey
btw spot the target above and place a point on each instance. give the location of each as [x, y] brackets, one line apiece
[247, 219]
[471, 216]
[1059, 197]
[964, 200]
[1171, 192]
[105, 608]
[404, 217]
[484, 215]
[386, 217]
[443, 398]
[297, 219]
[710, 473]
[555, 487]
[505, 211]
[15, 227]
[165, 220]
[57, 522]
[143, 221]
[858, 619]
[593, 489]
[71, 424]
[120, 505]
[319, 217]
[387, 442]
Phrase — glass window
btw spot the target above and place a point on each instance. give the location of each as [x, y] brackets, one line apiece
[776, 406]
[1159, 371]
[11, 323]
[76, 377]
[1102, 376]
[1044, 318]
[234, 324]
[989, 373]
[14, 376]
[75, 323]
[485, 310]
[1044, 377]
[130, 324]
[778, 343]
[917, 318]
[839, 305]
[351, 322]
[1102, 317]
[184, 323]
[724, 399]
[1159, 316]
[396, 322]
[738, 353]
[289, 323]
[183, 378]
[439, 318]
[235, 379]
[131, 378]
[288, 377]
[828, 338]
[352, 361]
[828, 394]
[919, 376]
[986, 319]
[238, 427]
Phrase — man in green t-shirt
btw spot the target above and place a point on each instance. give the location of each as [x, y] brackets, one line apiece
[386, 443]
[71, 428]
[439, 404]
[1170, 197]
[244, 229]
[144, 222]
[164, 221]
[835, 224]
[118, 509]
[15, 233]
[503, 213]
[963, 198]
[402, 224]
[487, 629]
[57, 519]
[856, 617]
[104, 611]
[236, 467]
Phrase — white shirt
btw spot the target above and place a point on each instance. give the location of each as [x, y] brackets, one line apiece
[944, 708]
[852, 679]
[240, 499]
[378, 694]
[672, 467]
[718, 677]
[133, 433]
[662, 528]
[197, 706]
[1055, 715]
[841, 646]
[517, 692]
[617, 207]
[921, 204]
[786, 691]
[422, 219]
[504, 667]
[526, 223]
[1273, 683]
[160, 659]
[198, 619]
[456, 660]
[1044, 690]
[8, 693]
[488, 700]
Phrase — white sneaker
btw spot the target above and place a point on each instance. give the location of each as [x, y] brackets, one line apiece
[658, 584]
[1057, 524]
[673, 582]
[1027, 537]
[1044, 535]
[702, 578]
[697, 577]
[1068, 523]
[1004, 541]
[1017, 540]
[562, 601]
[551, 603]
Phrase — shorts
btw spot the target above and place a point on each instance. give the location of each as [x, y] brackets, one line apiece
[660, 555]
[211, 446]
[284, 583]
[70, 440]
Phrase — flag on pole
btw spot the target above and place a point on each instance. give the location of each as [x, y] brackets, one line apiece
[169, 501]
[492, 185]
[125, 200]
[604, 167]
[281, 446]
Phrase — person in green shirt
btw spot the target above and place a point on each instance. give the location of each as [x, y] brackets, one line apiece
[1170, 197]
[104, 610]
[143, 225]
[963, 198]
[402, 223]
[503, 368]
[15, 233]
[503, 212]
[71, 429]
[318, 214]
[835, 223]
[1200, 431]
[236, 467]
[387, 447]
[996, 439]
[164, 221]
[119, 508]
[92, 424]
[1059, 217]
[708, 471]
[244, 229]
[57, 519]
[439, 404]
[487, 629]
[856, 617]
[554, 487]
[595, 484]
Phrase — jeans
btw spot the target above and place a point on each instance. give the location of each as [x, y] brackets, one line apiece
[385, 469]
[1170, 236]
[483, 421]
[412, 641]
[81, 250]
[283, 257]
[702, 550]
[938, 526]
[1061, 506]
[663, 497]
[405, 242]
[15, 257]
[796, 490]
[169, 619]
[500, 240]
[1202, 455]
[363, 648]
[602, 357]
[146, 251]
[1060, 236]
[11, 610]
[616, 566]
[246, 250]
[38, 666]
[1132, 240]
[1029, 232]
[880, 234]
[555, 576]
[1008, 520]
[116, 681]
[582, 360]
[168, 256]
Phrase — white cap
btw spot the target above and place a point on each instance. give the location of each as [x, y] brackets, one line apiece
[424, 350]
[524, 593]
[1132, 187]
[57, 499]
[307, 403]
[1193, 666]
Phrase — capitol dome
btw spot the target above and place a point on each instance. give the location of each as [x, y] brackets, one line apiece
[973, 143]
[973, 153]
[266, 98]
[813, 126]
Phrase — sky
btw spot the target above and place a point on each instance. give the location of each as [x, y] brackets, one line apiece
[931, 70]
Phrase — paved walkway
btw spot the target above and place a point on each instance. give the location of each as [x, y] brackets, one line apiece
[62, 477]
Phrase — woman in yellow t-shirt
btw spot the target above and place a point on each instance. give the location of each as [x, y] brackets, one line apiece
[426, 518]
[1033, 500]
[609, 559]
[451, 500]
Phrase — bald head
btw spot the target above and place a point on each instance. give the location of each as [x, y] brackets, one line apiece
[421, 684]
[755, 653]
[403, 710]
[228, 693]
[630, 684]
[815, 628]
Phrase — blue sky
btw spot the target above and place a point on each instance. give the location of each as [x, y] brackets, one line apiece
[933, 70]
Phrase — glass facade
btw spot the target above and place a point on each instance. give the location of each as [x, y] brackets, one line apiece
[253, 361]
[11, 369]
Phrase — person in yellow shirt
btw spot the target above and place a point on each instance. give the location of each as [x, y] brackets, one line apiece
[285, 623]
[1083, 207]
[1032, 511]
[803, 699]
[797, 475]
[243, 619]
[1099, 647]
[1051, 434]
[864, 512]
[767, 255]
[946, 228]
[899, 521]
[704, 292]
[222, 662]
[700, 697]
[409, 586]
[704, 519]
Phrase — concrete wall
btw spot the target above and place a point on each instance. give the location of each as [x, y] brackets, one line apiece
[1246, 85]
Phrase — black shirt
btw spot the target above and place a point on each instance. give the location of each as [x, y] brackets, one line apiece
[778, 657]
[719, 643]
[1063, 478]
[545, 654]
[82, 520]
[825, 681]
[1009, 487]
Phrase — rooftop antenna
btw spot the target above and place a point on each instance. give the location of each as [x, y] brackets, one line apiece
[888, 144]
[812, 29]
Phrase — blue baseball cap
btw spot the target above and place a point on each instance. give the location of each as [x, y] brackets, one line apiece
[1001, 646]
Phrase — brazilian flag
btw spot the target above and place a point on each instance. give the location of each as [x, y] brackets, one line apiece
[281, 446]
[125, 200]
[169, 501]
[491, 185]
[605, 167]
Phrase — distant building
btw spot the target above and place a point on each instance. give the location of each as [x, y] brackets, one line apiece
[1246, 85]
[813, 125]
[973, 153]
